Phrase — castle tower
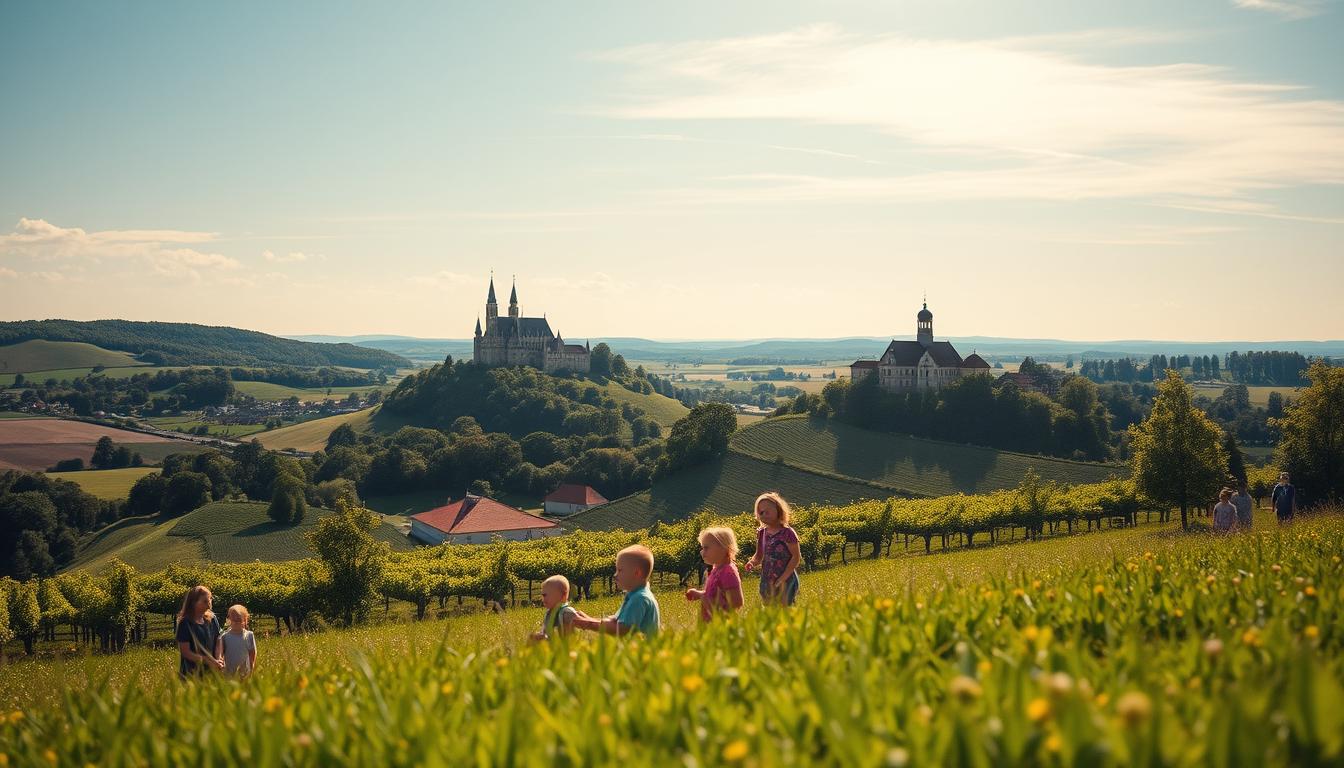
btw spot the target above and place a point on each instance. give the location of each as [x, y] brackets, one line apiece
[513, 299]
[491, 306]
[924, 326]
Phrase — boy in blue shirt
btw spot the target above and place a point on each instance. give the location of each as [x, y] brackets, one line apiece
[639, 609]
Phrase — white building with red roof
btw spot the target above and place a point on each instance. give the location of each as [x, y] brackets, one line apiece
[570, 498]
[477, 520]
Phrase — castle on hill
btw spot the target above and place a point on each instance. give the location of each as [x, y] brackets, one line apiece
[516, 340]
[919, 364]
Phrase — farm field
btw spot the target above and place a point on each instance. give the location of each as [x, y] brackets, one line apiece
[36, 444]
[1259, 396]
[188, 423]
[105, 483]
[1135, 646]
[220, 532]
[312, 435]
[921, 467]
[41, 355]
[265, 390]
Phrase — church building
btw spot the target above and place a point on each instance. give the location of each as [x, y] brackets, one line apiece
[516, 340]
[919, 364]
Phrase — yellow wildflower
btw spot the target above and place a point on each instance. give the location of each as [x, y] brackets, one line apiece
[272, 704]
[735, 751]
[1038, 709]
[692, 683]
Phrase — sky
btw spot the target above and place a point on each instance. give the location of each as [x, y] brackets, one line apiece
[1072, 169]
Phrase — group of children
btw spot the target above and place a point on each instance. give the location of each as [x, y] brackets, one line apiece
[204, 647]
[777, 558]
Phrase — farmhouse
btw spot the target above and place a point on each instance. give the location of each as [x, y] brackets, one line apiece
[516, 340]
[476, 520]
[570, 498]
[919, 364]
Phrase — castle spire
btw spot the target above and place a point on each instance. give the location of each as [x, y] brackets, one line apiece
[478, 325]
[513, 299]
[491, 298]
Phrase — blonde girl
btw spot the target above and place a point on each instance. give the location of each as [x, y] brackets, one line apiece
[777, 552]
[723, 586]
[240, 645]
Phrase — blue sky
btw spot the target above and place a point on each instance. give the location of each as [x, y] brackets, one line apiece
[1052, 169]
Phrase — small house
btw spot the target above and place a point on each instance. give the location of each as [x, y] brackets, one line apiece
[570, 498]
[476, 520]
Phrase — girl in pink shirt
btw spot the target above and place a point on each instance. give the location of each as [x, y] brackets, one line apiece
[723, 587]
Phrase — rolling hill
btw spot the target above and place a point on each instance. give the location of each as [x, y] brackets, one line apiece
[814, 462]
[660, 408]
[191, 344]
[221, 532]
[312, 435]
[44, 355]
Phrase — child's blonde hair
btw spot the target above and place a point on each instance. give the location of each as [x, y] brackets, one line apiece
[642, 555]
[785, 511]
[558, 580]
[240, 611]
[725, 537]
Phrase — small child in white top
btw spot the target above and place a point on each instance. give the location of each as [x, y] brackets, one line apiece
[240, 647]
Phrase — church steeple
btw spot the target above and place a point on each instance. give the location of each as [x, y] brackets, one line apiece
[513, 299]
[924, 325]
[478, 327]
[491, 306]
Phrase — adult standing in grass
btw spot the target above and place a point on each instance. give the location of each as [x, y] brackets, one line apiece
[777, 551]
[198, 635]
[1284, 499]
[1242, 501]
[1224, 513]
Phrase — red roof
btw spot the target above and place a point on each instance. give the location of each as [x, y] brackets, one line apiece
[477, 514]
[863, 364]
[573, 493]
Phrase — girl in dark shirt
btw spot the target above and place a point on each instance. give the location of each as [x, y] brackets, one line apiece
[198, 636]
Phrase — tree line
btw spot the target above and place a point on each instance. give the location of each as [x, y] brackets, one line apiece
[1276, 368]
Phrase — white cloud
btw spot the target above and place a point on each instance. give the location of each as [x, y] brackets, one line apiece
[291, 257]
[153, 251]
[1289, 9]
[1014, 118]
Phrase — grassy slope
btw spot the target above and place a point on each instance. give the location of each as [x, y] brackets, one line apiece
[828, 462]
[660, 408]
[922, 467]
[105, 483]
[726, 485]
[312, 435]
[41, 355]
[224, 531]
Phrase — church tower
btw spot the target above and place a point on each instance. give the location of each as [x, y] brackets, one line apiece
[491, 306]
[924, 326]
[513, 300]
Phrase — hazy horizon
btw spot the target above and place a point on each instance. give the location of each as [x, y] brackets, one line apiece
[1055, 170]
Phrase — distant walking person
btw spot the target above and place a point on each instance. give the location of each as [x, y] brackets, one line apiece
[1284, 499]
[1243, 502]
[1224, 513]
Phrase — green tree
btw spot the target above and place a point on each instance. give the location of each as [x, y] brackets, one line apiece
[1312, 444]
[697, 437]
[599, 360]
[146, 496]
[25, 615]
[1178, 457]
[185, 491]
[102, 453]
[352, 559]
[342, 435]
[1236, 462]
[287, 501]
